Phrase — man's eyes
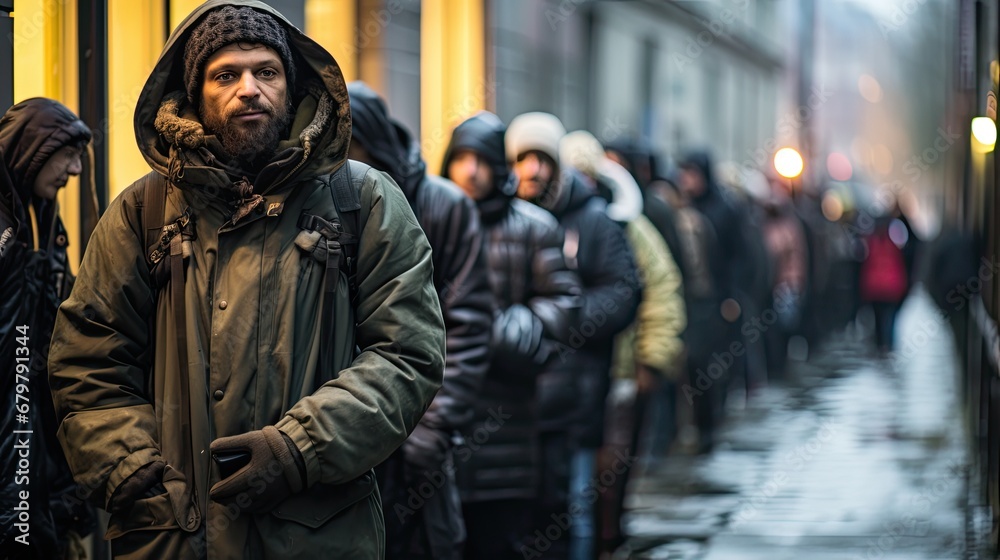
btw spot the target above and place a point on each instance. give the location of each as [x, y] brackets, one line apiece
[266, 73]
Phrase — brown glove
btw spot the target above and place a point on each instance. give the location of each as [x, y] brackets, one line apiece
[145, 482]
[276, 471]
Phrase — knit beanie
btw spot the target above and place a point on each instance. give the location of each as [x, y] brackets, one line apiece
[534, 131]
[227, 25]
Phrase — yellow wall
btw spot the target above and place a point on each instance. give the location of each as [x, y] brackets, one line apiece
[453, 70]
[179, 9]
[135, 39]
[331, 23]
[45, 65]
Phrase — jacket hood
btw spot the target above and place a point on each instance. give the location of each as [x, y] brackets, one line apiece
[484, 134]
[30, 132]
[385, 139]
[637, 156]
[702, 161]
[582, 151]
[626, 197]
[173, 142]
[569, 193]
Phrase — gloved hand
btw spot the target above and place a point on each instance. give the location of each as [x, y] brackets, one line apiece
[426, 448]
[517, 340]
[145, 482]
[265, 490]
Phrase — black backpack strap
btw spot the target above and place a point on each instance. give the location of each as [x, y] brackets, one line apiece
[154, 200]
[346, 186]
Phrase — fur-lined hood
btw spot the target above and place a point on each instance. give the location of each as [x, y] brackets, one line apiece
[172, 139]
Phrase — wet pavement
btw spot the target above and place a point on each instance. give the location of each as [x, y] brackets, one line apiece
[853, 457]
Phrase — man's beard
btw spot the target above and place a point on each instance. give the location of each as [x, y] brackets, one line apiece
[250, 145]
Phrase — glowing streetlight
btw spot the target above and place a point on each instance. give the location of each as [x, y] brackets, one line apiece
[984, 134]
[788, 163]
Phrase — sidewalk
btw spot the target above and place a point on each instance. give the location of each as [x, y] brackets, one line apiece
[854, 458]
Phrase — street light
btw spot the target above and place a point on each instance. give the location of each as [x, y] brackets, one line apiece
[788, 163]
[984, 134]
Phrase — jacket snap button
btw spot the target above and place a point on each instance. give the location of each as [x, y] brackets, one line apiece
[223, 304]
[218, 394]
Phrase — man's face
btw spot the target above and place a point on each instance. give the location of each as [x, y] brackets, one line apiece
[691, 182]
[244, 100]
[65, 162]
[471, 173]
[535, 172]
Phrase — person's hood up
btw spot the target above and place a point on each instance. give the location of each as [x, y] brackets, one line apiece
[385, 139]
[30, 132]
[635, 154]
[172, 139]
[702, 161]
[583, 152]
[535, 131]
[483, 133]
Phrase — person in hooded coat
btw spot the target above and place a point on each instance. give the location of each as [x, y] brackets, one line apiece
[649, 352]
[729, 268]
[573, 392]
[451, 222]
[41, 146]
[537, 302]
[306, 374]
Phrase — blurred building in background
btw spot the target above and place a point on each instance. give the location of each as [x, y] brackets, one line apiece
[674, 75]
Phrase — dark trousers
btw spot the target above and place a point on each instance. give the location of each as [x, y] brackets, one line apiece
[885, 324]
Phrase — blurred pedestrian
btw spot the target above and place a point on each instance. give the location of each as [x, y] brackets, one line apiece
[434, 529]
[728, 268]
[884, 278]
[42, 144]
[785, 240]
[648, 354]
[537, 303]
[572, 394]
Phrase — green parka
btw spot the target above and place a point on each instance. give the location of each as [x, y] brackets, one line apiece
[253, 300]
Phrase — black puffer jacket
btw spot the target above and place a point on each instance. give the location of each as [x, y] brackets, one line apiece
[451, 223]
[537, 299]
[33, 281]
[573, 391]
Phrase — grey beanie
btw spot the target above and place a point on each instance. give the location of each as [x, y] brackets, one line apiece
[227, 25]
